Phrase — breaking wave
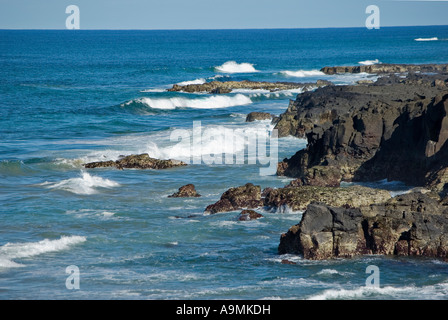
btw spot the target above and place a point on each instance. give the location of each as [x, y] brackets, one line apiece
[212, 102]
[12, 251]
[84, 185]
[302, 73]
[234, 67]
[369, 62]
[427, 39]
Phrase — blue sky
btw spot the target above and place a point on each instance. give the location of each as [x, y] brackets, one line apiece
[218, 14]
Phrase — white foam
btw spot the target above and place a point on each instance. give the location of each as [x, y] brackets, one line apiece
[427, 39]
[234, 67]
[11, 251]
[155, 90]
[197, 81]
[302, 73]
[212, 102]
[85, 185]
[369, 62]
[361, 292]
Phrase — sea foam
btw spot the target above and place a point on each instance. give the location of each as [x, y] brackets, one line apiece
[427, 39]
[12, 251]
[234, 67]
[302, 73]
[369, 62]
[212, 102]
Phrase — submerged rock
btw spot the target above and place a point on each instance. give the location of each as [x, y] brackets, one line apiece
[141, 161]
[187, 191]
[413, 224]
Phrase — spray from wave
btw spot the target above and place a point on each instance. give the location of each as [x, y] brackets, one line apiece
[212, 102]
[12, 251]
[234, 67]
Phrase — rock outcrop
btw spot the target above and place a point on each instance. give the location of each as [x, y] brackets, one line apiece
[256, 116]
[244, 197]
[413, 224]
[298, 198]
[295, 198]
[187, 191]
[395, 129]
[141, 161]
[222, 87]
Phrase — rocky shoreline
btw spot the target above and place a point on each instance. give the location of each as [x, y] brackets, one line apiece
[395, 128]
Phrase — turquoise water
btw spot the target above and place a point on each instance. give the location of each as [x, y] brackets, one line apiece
[72, 97]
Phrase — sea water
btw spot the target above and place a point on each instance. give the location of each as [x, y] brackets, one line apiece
[72, 97]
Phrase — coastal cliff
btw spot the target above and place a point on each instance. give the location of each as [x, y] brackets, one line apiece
[396, 129]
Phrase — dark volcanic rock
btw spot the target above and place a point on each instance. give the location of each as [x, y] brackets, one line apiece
[187, 191]
[141, 161]
[387, 68]
[413, 224]
[244, 197]
[254, 116]
[395, 129]
[247, 215]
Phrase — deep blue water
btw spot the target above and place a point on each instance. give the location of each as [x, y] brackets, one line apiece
[69, 97]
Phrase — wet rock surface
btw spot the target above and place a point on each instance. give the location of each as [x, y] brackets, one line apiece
[187, 191]
[248, 215]
[141, 161]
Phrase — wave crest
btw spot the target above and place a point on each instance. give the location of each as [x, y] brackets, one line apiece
[234, 67]
[84, 185]
[369, 62]
[212, 102]
[427, 39]
[11, 251]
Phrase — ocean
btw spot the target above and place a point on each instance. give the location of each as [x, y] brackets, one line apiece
[71, 97]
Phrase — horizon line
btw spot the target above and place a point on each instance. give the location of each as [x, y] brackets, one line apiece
[213, 29]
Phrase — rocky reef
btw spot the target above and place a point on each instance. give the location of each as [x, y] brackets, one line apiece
[250, 196]
[141, 161]
[387, 68]
[222, 87]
